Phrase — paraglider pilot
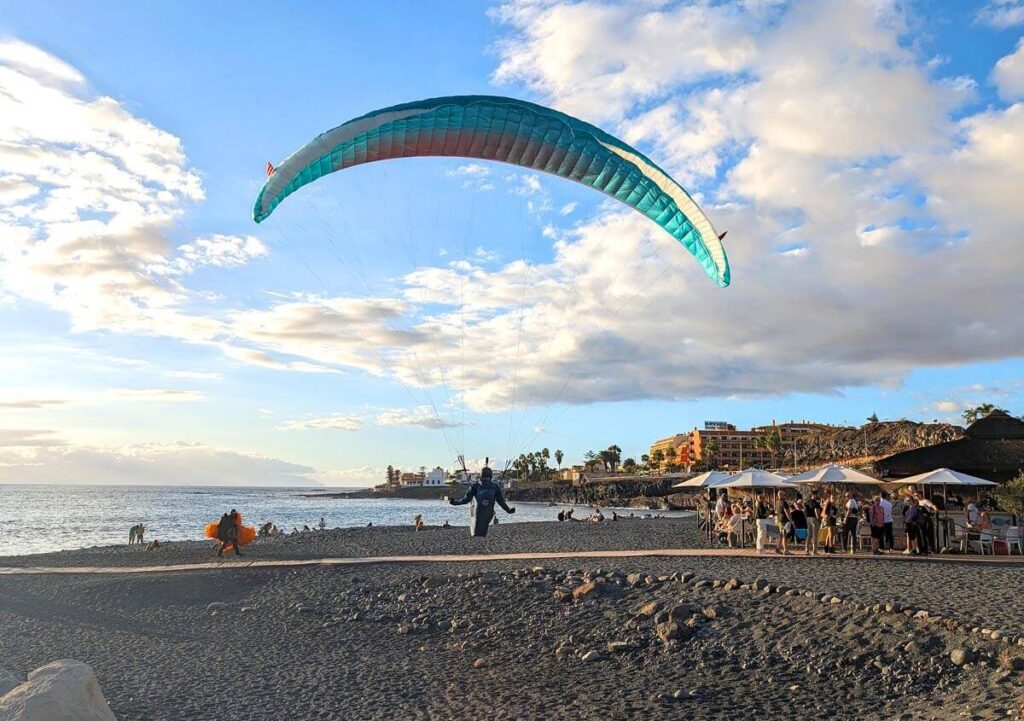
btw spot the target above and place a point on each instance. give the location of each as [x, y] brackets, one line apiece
[487, 493]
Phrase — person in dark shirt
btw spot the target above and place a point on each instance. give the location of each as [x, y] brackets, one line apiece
[798, 517]
[812, 509]
[486, 493]
[784, 523]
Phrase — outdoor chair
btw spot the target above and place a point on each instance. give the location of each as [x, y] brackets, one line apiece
[1014, 537]
[983, 539]
[863, 535]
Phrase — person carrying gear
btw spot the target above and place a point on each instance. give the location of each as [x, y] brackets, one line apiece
[486, 493]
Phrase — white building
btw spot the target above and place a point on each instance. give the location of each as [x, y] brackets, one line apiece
[436, 477]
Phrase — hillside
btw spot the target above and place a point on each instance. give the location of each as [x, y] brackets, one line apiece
[869, 442]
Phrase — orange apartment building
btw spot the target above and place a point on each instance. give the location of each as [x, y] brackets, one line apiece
[733, 449]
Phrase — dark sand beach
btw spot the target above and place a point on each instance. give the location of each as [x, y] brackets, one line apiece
[571, 638]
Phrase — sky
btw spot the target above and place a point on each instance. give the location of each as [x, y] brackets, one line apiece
[865, 157]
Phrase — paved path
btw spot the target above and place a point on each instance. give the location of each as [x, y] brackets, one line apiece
[536, 556]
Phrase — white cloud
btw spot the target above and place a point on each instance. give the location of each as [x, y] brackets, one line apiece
[599, 60]
[335, 422]
[195, 375]
[1008, 74]
[152, 395]
[947, 406]
[1002, 14]
[31, 403]
[27, 438]
[568, 208]
[423, 416]
[222, 251]
[474, 175]
[88, 195]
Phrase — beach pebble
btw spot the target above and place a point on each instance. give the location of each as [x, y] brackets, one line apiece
[480, 663]
[683, 695]
[648, 609]
[961, 656]
[619, 646]
[217, 606]
[585, 589]
[589, 656]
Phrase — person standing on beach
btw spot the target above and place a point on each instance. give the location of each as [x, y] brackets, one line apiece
[132, 533]
[828, 520]
[851, 513]
[887, 539]
[761, 519]
[812, 509]
[140, 535]
[876, 518]
[486, 493]
[783, 521]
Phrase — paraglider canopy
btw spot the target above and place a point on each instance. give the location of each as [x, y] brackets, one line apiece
[509, 131]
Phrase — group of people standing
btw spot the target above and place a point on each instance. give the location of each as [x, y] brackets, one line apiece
[827, 523]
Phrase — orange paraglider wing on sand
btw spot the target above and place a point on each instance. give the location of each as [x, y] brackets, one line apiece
[246, 534]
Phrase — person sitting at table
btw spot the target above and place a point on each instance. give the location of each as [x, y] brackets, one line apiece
[724, 526]
[984, 522]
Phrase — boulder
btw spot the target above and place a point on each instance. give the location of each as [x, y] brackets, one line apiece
[65, 690]
[672, 631]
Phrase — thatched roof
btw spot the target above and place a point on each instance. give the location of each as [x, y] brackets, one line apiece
[992, 448]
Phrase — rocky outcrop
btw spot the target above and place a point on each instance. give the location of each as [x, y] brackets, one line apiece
[869, 442]
[65, 690]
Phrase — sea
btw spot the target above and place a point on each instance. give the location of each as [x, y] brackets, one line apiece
[44, 518]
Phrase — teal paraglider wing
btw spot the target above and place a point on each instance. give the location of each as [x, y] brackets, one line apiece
[508, 131]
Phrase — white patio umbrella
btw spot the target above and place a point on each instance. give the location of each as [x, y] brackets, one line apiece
[704, 480]
[944, 477]
[754, 478]
[835, 473]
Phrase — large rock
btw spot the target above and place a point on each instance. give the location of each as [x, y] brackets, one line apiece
[65, 690]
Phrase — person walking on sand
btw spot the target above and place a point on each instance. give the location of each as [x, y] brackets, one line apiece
[323, 523]
[227, 533]
[813, 511]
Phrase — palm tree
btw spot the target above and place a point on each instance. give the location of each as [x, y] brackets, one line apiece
[558, 458]
[972, 414]
[646, 460]
[629, 465]
[670, 455]
[658, 458]
[873, 418]
[614, 456]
